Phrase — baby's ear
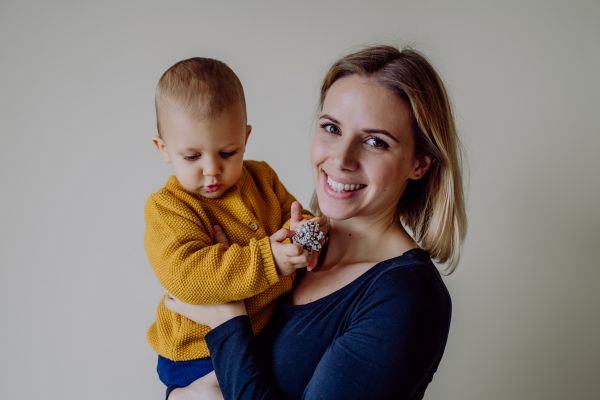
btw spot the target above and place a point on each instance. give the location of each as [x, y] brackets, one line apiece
[248, 130]
[162, 148]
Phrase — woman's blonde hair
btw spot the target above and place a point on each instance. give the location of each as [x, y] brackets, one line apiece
[433, 207]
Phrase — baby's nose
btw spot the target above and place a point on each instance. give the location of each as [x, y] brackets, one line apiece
[211, 169]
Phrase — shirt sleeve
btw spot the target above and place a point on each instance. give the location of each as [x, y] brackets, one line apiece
[195, 271]
[389, 350]
[237, 362]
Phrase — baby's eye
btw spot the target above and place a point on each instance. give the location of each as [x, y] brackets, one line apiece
[227, 154]
[331, 128]
[191, 158]
[376, 142]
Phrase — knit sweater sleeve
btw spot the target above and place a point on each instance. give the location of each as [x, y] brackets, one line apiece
[191, 268]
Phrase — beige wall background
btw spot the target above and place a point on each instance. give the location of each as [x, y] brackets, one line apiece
[77, 83]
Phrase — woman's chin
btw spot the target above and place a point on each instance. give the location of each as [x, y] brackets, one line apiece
[334, 212]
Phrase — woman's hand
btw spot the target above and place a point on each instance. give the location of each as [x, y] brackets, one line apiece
[205, 388]
[211, 315]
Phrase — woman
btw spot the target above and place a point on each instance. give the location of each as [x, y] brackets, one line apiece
[372, 319]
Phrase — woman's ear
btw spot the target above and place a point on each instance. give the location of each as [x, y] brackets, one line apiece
[423, 164]
[162, 148]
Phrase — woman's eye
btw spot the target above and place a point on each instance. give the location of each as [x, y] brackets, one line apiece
[331, 128]
[228, 154]
[191, 158]
[376, 142]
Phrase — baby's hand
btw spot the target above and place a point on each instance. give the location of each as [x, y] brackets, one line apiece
[288, 256]
[297, 220]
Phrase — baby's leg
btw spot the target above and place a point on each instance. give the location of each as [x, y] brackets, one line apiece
[180, 374]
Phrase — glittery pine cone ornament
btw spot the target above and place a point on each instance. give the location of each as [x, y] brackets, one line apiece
[308, 235]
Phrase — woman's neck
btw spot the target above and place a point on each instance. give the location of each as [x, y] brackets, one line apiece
[354, 247]
[365, 240]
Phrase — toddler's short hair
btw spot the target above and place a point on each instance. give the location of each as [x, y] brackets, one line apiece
[199, 87]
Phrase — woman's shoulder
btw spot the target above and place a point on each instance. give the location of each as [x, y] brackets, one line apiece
[414, 263]
[409, 278]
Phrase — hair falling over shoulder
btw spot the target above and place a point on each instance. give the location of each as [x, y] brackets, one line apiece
[433, 207]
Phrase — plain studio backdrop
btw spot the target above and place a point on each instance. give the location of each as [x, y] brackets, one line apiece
[77, 115]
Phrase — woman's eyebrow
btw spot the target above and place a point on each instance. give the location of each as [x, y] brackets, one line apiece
[383, 132]
[329, 117]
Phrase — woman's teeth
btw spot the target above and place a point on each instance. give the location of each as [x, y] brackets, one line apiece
[340, 187]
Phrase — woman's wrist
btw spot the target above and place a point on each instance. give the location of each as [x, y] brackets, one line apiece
[228, 311]
[232, 325]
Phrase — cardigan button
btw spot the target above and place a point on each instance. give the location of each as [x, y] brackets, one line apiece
[253, 226]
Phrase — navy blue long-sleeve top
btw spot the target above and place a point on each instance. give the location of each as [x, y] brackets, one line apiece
[380, 337]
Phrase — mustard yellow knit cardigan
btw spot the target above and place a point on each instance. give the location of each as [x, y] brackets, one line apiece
[188, 265]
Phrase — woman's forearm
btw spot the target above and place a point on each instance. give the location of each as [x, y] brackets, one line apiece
[237, 362]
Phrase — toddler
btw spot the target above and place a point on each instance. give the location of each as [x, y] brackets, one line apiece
[202, 132]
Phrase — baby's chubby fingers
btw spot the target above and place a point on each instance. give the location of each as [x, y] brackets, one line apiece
[296, 211]
[293, 249]
[219, 236]
[312, 262]
[302, 260]
[281, 235]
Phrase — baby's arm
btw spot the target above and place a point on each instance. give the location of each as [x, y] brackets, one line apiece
[288, 257]
[191, 268]
[294, 215]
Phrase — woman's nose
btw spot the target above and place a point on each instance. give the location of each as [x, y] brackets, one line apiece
[346, 156]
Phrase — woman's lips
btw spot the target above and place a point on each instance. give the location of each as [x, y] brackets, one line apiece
[339, 195]
[212, 188]
[341, 187]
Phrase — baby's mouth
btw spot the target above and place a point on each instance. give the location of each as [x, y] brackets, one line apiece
[340, 187]
[212, 188]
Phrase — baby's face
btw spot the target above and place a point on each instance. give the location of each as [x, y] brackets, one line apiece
[206, 154]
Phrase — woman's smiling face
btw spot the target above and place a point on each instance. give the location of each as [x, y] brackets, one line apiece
[362, 154]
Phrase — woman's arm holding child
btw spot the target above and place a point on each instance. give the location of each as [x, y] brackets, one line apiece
[390, 349]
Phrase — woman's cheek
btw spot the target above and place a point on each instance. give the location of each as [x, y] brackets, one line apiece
[317, 150]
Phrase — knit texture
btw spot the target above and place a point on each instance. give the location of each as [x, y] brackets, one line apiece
[179, 244]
